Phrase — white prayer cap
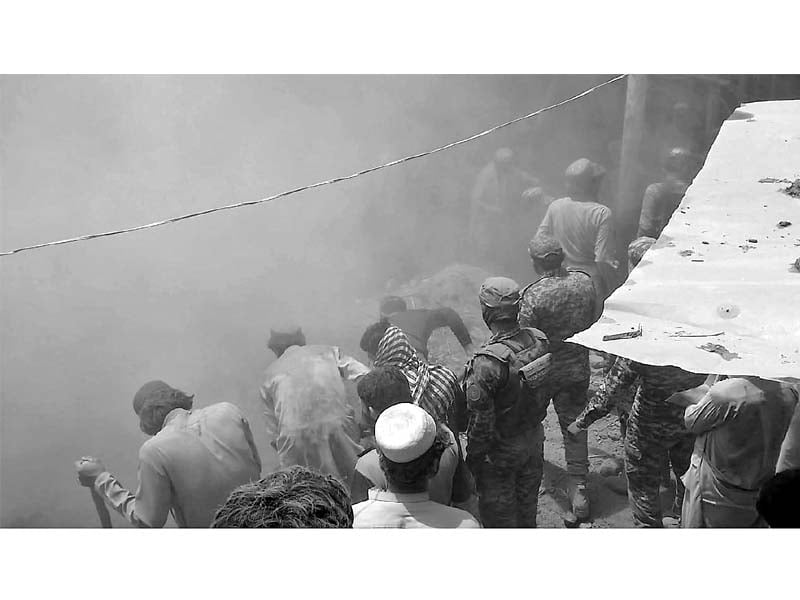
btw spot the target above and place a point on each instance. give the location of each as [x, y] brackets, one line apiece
[404, 432]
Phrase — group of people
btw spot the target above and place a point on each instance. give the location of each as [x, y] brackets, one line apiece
[389, 452]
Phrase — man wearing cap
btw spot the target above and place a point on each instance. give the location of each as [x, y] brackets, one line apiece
[380, 389]
[504, 433]
[420, 323]
[310, 414]
[410, 446]
[562, 303]
[583, 226]
[662, 198]
[195, 458]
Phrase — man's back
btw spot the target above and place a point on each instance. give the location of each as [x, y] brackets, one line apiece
[583, 228]
[659, 202]
[561, 304]
[745, 423]
[408, 511]
[202, 455]
[304, 390]
[419, 324]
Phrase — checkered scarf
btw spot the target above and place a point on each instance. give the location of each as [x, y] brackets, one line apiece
[432, 386]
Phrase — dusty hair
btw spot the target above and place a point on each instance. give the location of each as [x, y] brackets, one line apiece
[296, 497]
[156, 408]
[373, 335]
[383, 387]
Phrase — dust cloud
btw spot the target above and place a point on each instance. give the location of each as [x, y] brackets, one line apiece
[84, 325]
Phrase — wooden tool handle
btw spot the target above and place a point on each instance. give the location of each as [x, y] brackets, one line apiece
[102, 510]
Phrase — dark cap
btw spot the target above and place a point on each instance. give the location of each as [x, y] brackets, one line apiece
[499, 291]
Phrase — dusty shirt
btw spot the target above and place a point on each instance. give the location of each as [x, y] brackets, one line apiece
[304, 390]
[741, 426]
[582, 228]
[656, 384]
[561, 304]
[408, 511]
[419, 325]
[189, 467]
[309, 412]
[659, 202]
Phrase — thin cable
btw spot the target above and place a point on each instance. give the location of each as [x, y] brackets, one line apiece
[208, 211]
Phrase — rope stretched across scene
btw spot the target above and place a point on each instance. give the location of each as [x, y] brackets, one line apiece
[208, 211]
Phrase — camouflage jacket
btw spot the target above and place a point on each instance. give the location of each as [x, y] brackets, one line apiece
[488, 389]
[561, 303]
[656, 384]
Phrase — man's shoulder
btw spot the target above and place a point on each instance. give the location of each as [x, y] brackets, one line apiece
[456, 518]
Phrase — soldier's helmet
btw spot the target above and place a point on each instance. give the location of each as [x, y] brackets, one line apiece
[584, 174]
[499, 292]
[544, 247]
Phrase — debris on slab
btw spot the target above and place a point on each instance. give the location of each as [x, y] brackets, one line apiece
[719, 349]
[686, 252]
[794, 189]
[783, 224]
[773, 180]
[752, 241]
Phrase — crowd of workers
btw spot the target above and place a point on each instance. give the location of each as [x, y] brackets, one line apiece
[395, 458]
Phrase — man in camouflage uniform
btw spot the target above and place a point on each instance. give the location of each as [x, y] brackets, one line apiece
[655, 431]
[561, 303]
[505, 448]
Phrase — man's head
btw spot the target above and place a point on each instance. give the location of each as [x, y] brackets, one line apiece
[499, 298]
[296, 497]
[677, 163]
[779, 500]
[372, 337]
[636, 250]
[154, 401]
[383, 387]
[410, 445]
[583, 179]
[281, 340]
[504, 158]
[391, 305]
[546, 253]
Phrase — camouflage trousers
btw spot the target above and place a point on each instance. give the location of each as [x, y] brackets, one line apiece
[508, 492]
[569, 400]
[651, 442]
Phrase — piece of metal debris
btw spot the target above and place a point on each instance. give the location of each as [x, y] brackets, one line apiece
[773, 180]
[695, 335]
[698, 260]
[623, 336]
[783, 224]
[752, 241]
[719, 349]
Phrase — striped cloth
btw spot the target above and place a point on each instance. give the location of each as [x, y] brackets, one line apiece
[433, 387]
